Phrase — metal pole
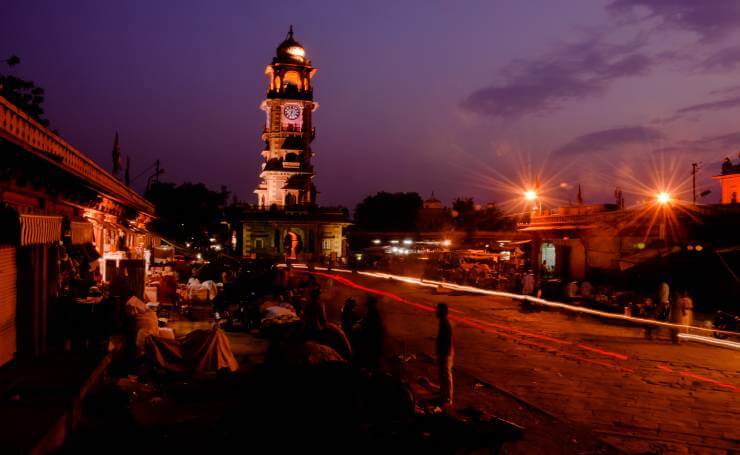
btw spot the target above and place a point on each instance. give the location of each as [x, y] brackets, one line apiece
[693, 181]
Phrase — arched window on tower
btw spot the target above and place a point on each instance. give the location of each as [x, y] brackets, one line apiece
[291, 157]
[293, 78]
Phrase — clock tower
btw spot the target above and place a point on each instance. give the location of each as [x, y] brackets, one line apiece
[287, 173]
[287, 223]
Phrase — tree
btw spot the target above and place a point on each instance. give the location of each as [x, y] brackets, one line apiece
[189, 212]
[388, 212]
[469, 216]
[23, 94]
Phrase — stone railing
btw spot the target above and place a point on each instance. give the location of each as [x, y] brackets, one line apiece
[582, 220]
[16, 125]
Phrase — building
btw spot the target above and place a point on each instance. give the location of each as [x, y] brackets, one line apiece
[55, 202]
[434, 216]
[658, 239]
[286, 221]
[571, 241]
[729, 181]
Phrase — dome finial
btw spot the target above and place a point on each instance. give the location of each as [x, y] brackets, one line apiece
[290, 32]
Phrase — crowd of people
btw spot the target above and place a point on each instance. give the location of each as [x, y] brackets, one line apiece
[487, 274]
[660, 305]
[293, 317]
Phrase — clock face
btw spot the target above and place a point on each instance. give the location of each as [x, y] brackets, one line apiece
[291, 111]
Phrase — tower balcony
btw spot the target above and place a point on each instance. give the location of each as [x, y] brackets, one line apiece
[292, 128]
[291, 93]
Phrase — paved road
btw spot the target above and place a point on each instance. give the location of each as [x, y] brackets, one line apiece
[636, 394]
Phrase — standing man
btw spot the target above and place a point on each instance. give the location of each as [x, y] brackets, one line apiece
[445, 354]
[349, 316]
[681, 313]
[528, 283]
[687, 307]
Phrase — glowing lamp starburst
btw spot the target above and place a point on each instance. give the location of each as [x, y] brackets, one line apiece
[663, 198]
[530, 195]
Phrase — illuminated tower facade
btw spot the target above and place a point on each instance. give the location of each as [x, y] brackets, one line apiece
[287, 222]
[287, 173]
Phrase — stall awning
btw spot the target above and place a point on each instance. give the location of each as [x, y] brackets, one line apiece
[82, 232]
[40, 229]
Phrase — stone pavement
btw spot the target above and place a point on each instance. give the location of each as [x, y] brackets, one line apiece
[639, 395]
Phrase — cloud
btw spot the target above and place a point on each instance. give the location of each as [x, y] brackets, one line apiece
[727, 103]
[711, 19]
[722, 143]
[724, 60]
[572, 72]
[608, 139]
[730, 101]
[733, 89]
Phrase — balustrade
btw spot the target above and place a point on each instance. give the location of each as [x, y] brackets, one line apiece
[18, 125]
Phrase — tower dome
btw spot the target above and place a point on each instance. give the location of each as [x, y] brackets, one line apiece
[290, 50]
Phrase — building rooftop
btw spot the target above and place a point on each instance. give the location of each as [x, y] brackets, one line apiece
[290, 50]
[729, 168]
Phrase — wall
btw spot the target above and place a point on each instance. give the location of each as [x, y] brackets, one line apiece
[730, 184]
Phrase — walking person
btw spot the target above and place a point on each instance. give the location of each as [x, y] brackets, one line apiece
[528, 283]
[688, 309]
[349, 316]
[317, 328]
[676, 315]
[664, 299]
[368, 339]
[445, 355]
[682, 313]
[647, 311]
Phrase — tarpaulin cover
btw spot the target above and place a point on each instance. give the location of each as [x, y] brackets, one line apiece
[200, 351]
[81, 232]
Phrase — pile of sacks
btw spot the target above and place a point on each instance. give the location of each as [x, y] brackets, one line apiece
[202, 292]
[200, 351]
[276, 314]
[145, 322]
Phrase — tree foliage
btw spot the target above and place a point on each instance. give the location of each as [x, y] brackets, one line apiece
[23, 94]
[388, 212]
[189, 212]
[469, 216]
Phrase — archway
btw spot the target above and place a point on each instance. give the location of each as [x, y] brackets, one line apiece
[292, 245]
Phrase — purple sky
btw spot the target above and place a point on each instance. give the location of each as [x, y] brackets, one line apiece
[451, 97]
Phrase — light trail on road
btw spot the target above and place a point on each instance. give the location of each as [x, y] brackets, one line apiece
[537, 300]
[710, 340]
[522, 336]
[488, 326]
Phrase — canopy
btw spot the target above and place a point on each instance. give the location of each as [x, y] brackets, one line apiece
[40, 229]
[82, 232]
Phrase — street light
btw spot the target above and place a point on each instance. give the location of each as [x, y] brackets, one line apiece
[663, 198]
[532, 196]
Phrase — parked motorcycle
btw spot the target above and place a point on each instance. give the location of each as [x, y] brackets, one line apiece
[727, 322]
